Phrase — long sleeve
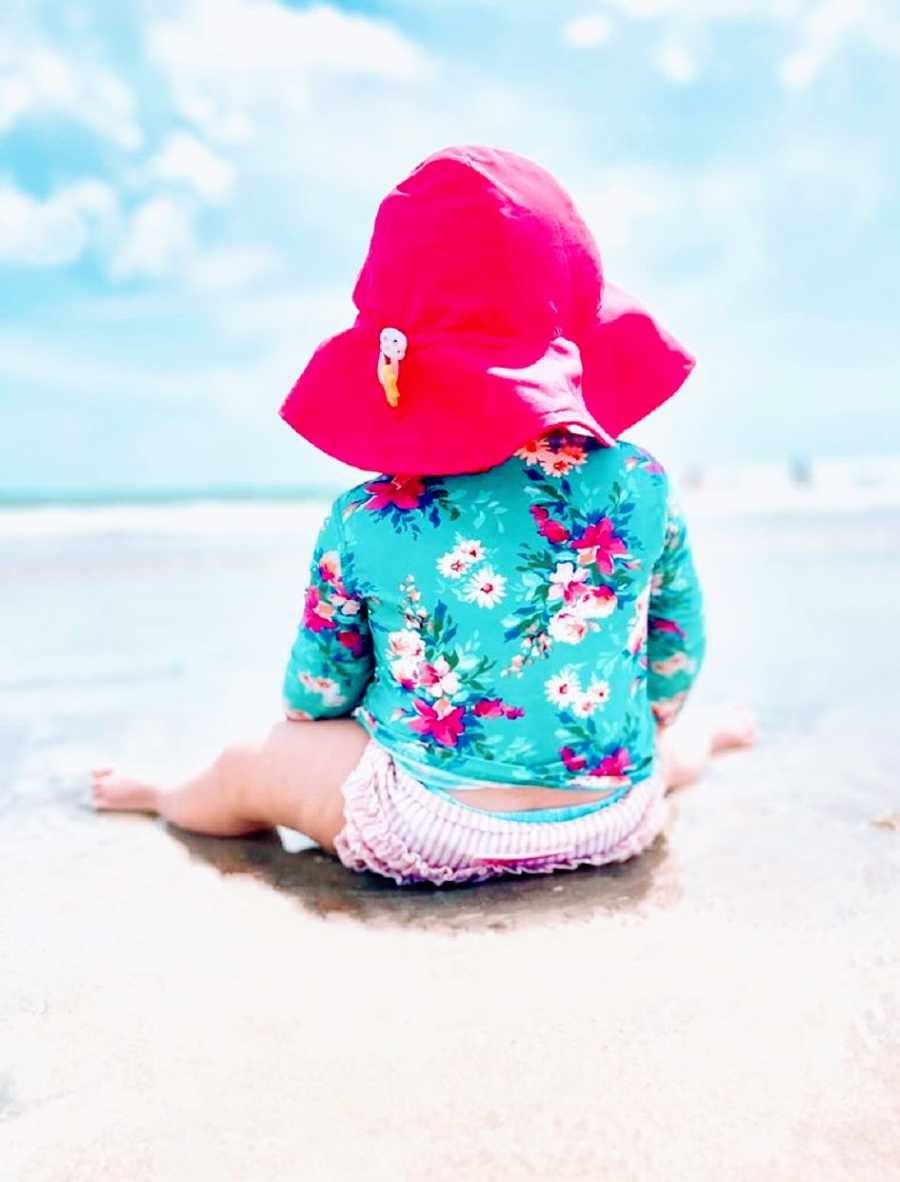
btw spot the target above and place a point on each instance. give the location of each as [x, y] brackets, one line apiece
[676, 639]
[331, 661]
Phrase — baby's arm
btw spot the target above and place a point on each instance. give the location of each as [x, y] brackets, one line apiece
[331, 661]
[676, 639]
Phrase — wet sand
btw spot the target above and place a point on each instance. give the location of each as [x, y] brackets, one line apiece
[174, 1008]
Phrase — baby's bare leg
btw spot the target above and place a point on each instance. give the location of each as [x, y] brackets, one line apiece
[686, 747]
[292, 778]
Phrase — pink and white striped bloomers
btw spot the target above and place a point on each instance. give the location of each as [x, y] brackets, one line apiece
[396, 827]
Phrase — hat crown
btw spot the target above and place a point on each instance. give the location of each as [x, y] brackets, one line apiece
[480, 240]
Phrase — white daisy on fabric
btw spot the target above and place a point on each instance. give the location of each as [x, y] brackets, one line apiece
[486, 587]
[595, 696]
[561, 463]
[470, 549]
[562, 689]
[453, 564]
[583, 707]
[534, 452]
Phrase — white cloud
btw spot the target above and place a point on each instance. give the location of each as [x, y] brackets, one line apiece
[226, 59]
[824, 32]
[158, 242]
[676, 63]
[185, 159]
[56, 230]
[587, 32]
[35, 78]
[616, 207]
[231, 267]
[708, 10]
[821, 29]
[697, 238]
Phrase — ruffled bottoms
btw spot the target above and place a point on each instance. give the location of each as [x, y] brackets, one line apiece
[398, 828]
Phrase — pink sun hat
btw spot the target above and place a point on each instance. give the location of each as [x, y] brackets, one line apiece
[483, 321]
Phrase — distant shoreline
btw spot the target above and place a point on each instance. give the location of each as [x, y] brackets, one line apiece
[107, 498]
[831, 486]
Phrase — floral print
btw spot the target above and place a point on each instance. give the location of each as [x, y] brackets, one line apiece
[334, 616]
[406, 501]
[484, 586]
[557, 588]
[444, 683]
[585, 566]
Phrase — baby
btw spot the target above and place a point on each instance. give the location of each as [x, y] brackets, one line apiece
[498, 635]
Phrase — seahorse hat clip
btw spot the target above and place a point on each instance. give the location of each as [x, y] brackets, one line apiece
[391, 351]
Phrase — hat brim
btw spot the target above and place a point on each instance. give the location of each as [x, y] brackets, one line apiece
[469, 400]
[631, 363]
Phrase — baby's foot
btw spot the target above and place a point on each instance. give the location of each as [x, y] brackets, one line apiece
[732, 727]
[117, 793]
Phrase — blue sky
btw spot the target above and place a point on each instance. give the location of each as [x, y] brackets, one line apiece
[187, 189]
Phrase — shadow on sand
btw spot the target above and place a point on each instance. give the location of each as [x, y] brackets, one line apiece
[320, 884]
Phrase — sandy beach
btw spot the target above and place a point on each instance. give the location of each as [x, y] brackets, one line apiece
[175, 1008]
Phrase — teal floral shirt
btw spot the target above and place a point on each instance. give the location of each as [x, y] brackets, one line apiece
[526, 625]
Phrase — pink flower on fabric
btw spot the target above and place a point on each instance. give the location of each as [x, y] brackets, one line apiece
[573, 762]
[615, 765]
[554, 531]
[601, 544]
[330, 567]
[495, 708]
[352, 641]
[401, 492]
[316, 612]
[488, 708]
[443, 721]
[659, 624]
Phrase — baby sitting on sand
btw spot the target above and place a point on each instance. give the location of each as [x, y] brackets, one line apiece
[498, 636]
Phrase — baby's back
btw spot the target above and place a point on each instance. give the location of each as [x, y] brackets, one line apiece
[508, 615]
